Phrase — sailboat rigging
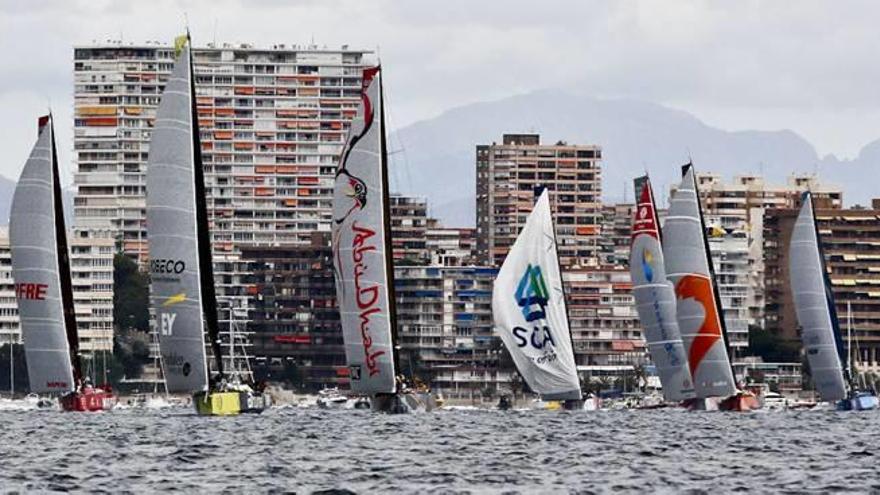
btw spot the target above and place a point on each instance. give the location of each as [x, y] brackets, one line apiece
[363, 261]
[43, 286]
[528, 306]
[816, 312]
[655, 298]
[182, 276]
[699, 312]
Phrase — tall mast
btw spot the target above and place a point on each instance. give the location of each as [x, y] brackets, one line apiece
[64, 262]
[829, 297]
[386, 226]
[712, 278]
[537, 194]
[206, 267]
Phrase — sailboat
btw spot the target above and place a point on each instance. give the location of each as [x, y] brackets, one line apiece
[699, 314]
[182, 277]
[830, 365]
[363, 262]
[43, 288]
[528, 306]
[655, 298]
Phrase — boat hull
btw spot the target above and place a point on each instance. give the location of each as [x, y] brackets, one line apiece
[403, 403]
[89, 400]
[860, 401]
[230, 403]
[740, 402]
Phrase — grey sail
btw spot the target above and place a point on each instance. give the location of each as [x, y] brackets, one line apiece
[814, 306]
[698, 309]
[175, 290]
[361, 248]
[36, 257]
[655, 298]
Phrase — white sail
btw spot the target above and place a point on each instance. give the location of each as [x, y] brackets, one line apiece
[361, 249]
[698, 312]
[37, 257]
[528, 305]
[655, 298]
[175, 289]
[814, 306]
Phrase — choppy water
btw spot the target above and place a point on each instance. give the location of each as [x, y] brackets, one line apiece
[451, 451]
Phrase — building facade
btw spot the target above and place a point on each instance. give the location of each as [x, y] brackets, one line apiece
[409, 228]
[91, 271]
[294, 319]
[445, 330]
[851, 242]
[450, 246]
[616, 234]
[272, 121]
[606, 333]
[507, 176]
[10, 331]
[730, 260]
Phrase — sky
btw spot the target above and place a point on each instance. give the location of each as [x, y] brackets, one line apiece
[809, 66]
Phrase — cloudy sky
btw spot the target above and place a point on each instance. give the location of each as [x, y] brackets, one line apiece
[809, 66]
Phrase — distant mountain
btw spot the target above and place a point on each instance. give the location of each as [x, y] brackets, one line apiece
[435, 158]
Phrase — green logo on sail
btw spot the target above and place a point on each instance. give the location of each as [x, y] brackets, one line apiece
[531, 294]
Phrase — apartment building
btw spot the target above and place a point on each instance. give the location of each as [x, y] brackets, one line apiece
[91, 272]
[294, 319]
[409, 226]
[730, 259]
[450, 246]
[507, 177]
[616, 234]
[605, 327]
[10, 331]
[272, 120]
[445, 330]
[851, 243]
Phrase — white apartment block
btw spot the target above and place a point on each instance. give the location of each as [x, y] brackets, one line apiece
[9, 324]
[91, 271]
[730, 259]
[272, 120]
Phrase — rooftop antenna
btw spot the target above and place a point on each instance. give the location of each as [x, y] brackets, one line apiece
[214, 41]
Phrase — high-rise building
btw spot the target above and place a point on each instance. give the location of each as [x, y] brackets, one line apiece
[605, 328]
[507, 177]
[10, 331]
[616, 234]
[445, 329]
[91, 267]
[409, 225]
[294, 318]
[272, 121]
[730, 260]
[851, 242]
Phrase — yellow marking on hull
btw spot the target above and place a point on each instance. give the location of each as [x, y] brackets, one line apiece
[217, 403]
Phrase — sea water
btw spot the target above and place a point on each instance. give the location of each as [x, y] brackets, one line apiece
[480, 451]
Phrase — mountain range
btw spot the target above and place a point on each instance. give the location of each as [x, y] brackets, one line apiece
[435, 158]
